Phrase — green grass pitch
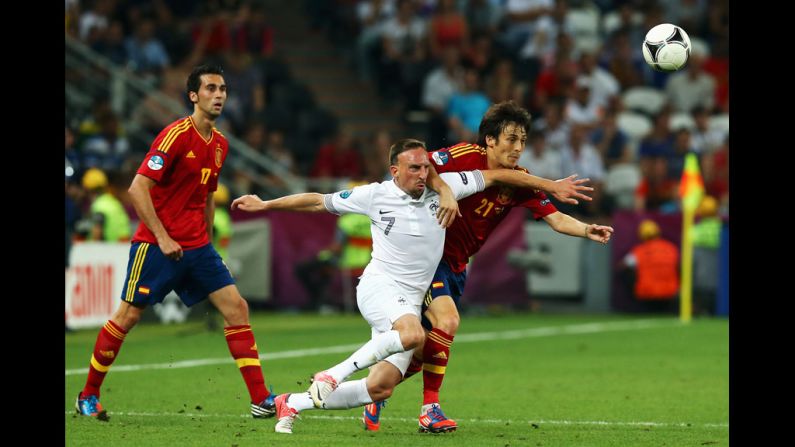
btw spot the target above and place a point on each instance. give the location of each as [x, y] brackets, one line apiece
[518, 380]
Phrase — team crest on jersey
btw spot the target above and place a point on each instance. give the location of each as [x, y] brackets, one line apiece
[155, 163]
[505, 195]
[544, 202]
[218, 155]
[345, 194]
[440, 157]
[434, 207]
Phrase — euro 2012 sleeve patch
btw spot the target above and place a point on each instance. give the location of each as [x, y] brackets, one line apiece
[345, 194]
[440, 158]
[155, 163]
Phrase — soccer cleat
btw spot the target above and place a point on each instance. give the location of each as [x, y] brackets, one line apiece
[434, 421]
[372, 413]
[90, 406]
[265, 409]
[322, 385]
[285, 415]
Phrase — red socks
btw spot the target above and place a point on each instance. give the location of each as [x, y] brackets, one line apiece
[243, 348]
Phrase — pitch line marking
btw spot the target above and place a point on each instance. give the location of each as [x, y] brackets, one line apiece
[549, 331]
[469, 421]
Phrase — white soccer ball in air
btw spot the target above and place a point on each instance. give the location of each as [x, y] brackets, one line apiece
[666, 47]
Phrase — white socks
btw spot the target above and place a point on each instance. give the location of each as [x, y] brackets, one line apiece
[348, 395]
[375, 350]
[300, 401]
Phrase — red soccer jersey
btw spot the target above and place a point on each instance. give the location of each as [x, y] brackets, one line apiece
[185, 167]
[483, 211]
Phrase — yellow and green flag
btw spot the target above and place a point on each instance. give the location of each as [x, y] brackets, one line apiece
[691, 190]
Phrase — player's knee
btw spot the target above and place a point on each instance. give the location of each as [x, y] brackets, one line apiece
[380, 390]
[412, 336]
[448, 323]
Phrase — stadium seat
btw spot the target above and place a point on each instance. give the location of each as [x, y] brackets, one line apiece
[612, 21]
[635, 125]
[621, 182]
[719, 122]
[680, 120]
[646, 100]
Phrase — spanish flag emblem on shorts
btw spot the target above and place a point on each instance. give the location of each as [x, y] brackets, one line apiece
[437, 285]
[143, 290]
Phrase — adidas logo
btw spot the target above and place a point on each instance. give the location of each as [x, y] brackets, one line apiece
[107, 354]
[190, 155]
[440, 355]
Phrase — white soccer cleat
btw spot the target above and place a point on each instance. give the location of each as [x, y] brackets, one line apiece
[285, 414]
[322, 385]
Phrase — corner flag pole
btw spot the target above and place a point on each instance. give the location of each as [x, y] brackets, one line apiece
[691, 190]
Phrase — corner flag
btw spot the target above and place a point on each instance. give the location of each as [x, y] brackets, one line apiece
[691, 191]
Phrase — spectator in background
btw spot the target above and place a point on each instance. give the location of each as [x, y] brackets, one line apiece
[660, 141]
[692, 86]
[580, 157]
[146, 54]
[372, 15]
[480, 54]
[151, 114]
[376, 160]
[466, 108]
[655, 262]
[705, 140]
[553, 83]
[483, 17]
[438, 87]
[501, 84]
[610, 141]
[706, 246]
[604, 86]
[110, 222]
[582, 109]
[447, 28]
[656, 191]
[247, 79]
[252, 34]
[338, 158]
[283, 156]
[539, 159]
[403, 41]
[94, 22]
[522, 17]
[715, 169]
[112, 45]
[676, 161]
[623, 62]
[107, 149]
[553, 125]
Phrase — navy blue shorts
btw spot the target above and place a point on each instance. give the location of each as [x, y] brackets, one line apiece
[151, 275]
[445, 283]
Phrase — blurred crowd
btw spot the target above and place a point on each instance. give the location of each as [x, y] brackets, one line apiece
[576, 65]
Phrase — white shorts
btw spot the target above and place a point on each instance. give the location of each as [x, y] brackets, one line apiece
[381, 302]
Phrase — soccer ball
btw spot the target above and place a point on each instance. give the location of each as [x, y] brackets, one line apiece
[666, 47]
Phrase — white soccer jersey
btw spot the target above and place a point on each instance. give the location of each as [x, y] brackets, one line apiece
[407, 239]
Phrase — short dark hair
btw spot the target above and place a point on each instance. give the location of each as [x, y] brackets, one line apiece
[500, 115]
[403, 146]
[195, 78]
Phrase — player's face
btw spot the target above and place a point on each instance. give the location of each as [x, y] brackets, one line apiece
[504, 151]
[411, 171]
[212, 95]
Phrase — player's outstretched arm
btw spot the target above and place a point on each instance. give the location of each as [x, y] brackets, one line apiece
[567, 190]
[142, 201]
[308, 201]
[563, 223]
[448, 206]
